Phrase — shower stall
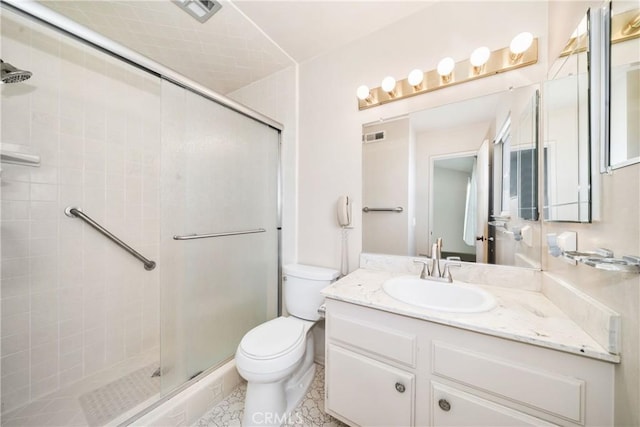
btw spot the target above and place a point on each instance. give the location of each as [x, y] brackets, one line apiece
[140, 230]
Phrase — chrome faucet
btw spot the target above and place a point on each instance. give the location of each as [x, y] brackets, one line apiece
[434, 273]
[436, 251]
[425, 272]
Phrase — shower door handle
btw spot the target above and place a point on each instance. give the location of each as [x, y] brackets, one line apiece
[207, 236]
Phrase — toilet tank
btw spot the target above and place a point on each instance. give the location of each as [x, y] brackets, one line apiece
[301, 288]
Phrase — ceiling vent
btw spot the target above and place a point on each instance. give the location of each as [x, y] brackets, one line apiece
[199, 9]
[373, 137]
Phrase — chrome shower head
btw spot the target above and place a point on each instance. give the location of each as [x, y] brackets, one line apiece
[10, 74]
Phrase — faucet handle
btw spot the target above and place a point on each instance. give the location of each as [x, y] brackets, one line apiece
[447, 272]
[425, 268]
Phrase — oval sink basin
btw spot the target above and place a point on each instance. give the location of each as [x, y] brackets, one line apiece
[449, 297]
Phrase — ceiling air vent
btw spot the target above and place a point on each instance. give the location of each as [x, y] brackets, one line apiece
[373, 137]
[199, 9]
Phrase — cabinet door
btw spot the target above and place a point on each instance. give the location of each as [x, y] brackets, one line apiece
[366, 392]
[452, 407]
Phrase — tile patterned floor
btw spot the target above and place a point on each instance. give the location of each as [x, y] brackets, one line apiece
[309, 413]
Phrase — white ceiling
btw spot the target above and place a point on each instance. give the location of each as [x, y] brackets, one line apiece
[245, 41]
[307, 28]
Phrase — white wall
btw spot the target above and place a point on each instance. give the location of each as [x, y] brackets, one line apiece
[386, 181]
[330, 124]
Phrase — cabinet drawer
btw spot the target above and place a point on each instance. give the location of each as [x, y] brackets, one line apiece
[552, 393]
[463, 409]
[367, 392]
[379, 340]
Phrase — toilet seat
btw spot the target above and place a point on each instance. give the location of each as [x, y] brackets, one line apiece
[272, 339]
[273, 346]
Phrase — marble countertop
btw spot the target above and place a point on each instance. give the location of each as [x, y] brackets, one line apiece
[520, 315]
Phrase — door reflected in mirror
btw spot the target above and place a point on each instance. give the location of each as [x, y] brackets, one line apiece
[452, 173]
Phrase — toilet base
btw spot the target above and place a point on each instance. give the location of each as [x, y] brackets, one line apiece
[271, 404]
[296, 392]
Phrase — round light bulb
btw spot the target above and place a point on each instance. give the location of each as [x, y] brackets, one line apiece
[362, 92]
[521, 43]
[415, 77]
[388, 84]
[446, 66]
[480, 56]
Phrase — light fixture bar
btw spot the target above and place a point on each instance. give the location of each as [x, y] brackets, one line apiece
[499, 61]
[624, 26]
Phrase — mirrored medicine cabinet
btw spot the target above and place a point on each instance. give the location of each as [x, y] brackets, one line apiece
[622, 147]
[566, 152]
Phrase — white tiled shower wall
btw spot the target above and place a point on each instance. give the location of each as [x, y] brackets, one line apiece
[73, 303]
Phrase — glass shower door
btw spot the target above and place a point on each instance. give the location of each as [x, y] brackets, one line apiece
[219, 177]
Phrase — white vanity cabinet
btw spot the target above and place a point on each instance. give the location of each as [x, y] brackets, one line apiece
[370, 392]
[384, 369]
[453, 407]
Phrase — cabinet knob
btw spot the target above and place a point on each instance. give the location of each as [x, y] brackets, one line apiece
[400, 387]
[444, 405]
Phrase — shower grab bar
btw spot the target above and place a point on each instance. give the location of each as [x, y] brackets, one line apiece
[206, 236]
[72, 212]
[367, 209]
[22, 159]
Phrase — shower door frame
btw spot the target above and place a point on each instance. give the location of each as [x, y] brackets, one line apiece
[51, 19]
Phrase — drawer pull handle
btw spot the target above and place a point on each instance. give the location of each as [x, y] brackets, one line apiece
[444, 405]
[400, 387]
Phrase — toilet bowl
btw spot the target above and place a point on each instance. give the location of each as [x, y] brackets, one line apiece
[276, 357]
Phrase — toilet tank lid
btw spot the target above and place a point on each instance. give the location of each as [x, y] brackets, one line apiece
[310, 272]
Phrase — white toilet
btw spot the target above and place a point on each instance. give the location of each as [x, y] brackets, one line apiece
[276, 357]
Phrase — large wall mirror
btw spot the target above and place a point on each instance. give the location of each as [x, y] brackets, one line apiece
[466, 172]
[624, 135]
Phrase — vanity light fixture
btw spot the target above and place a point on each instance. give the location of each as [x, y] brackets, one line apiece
[633, 26]
[578, 40]
[478, 58]
[519, 45]
[415, 79]
[364, 94]
[389, 85]
[482, 63]
[445, 69]
[624, 26]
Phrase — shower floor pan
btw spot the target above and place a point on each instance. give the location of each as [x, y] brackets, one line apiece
[106, 397]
